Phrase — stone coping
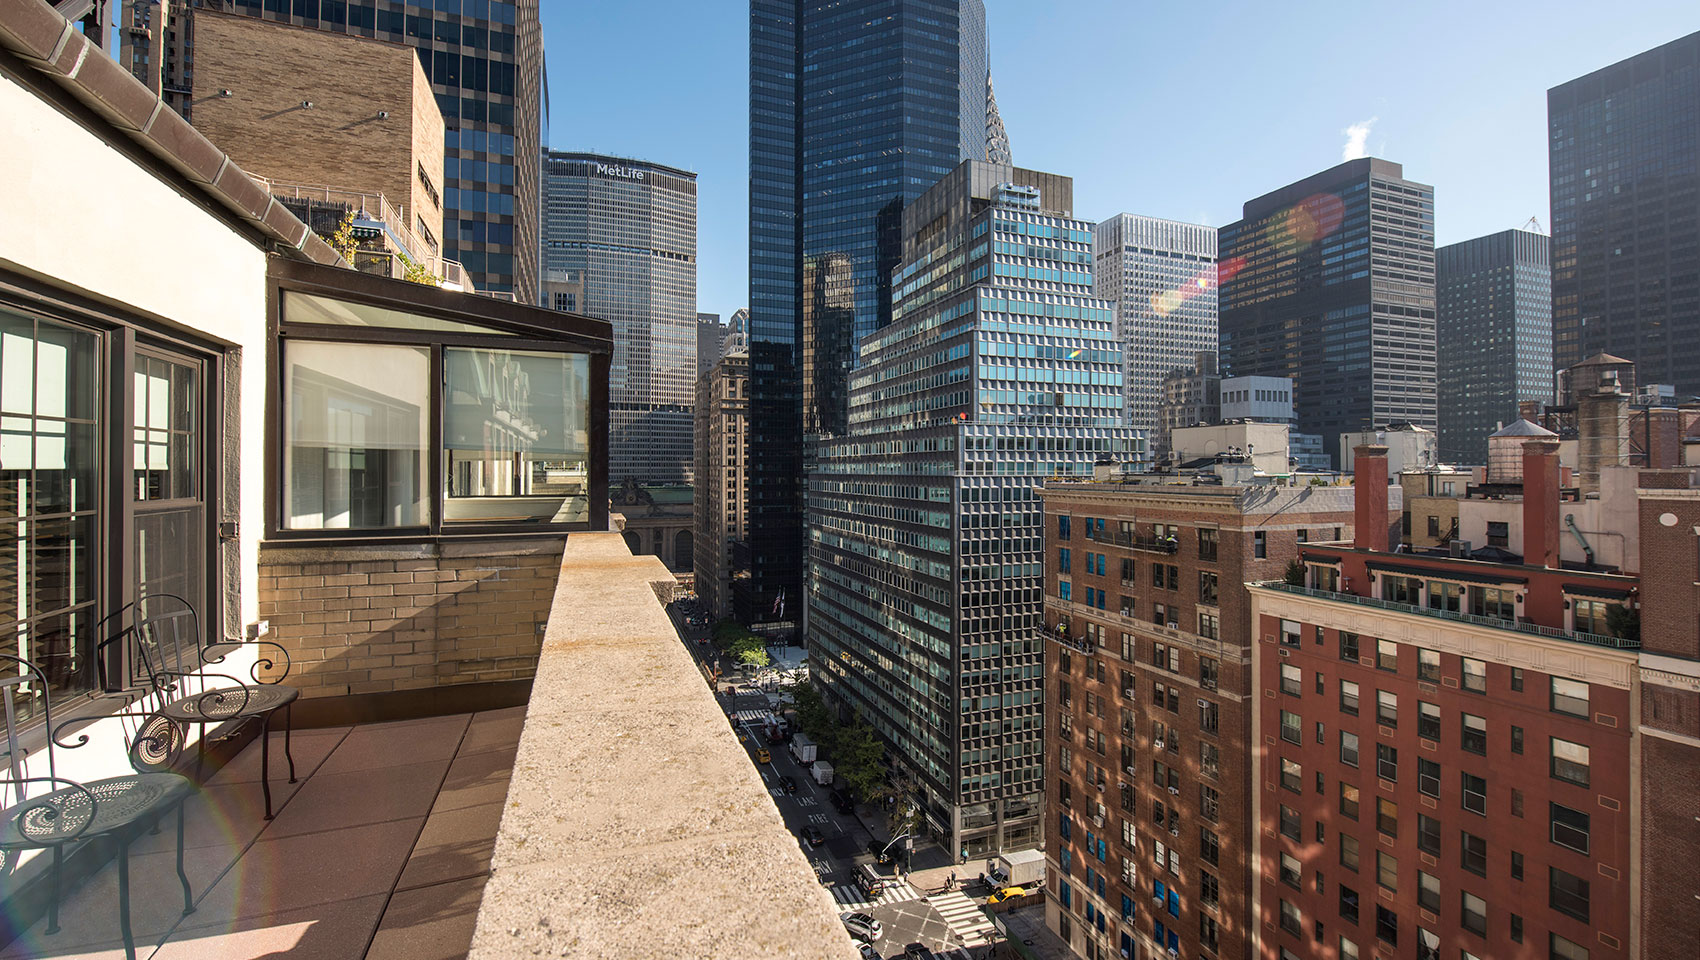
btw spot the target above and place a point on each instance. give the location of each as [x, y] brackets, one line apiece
[636, 825]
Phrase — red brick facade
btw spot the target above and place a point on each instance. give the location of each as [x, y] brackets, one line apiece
[1141, 700]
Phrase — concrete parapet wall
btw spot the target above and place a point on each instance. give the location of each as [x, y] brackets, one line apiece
[636, 825]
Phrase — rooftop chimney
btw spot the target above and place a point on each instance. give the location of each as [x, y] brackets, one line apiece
[1369, 496]
[1540, 503]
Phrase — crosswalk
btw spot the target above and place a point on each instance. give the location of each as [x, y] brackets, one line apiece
[849, 896]
[757, 717]
[965, 917]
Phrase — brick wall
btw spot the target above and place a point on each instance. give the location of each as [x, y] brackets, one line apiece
[1670, 846]
[271, 68]
[359, 620]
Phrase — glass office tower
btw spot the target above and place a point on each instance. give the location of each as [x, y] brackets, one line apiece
[485, 62]
[1622, 155]
[926, 568]
[626, 231]
[1494, 305]
[1330, 282]
[855, 109]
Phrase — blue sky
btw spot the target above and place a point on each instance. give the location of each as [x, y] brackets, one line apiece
[1170, 110]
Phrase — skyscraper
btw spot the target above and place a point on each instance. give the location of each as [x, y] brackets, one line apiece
[627, 231]
[998, 369]
[1330, 282]
[485, 63]
[855, 109]
[1494, 327]
[1626, 214]
[1162, 275]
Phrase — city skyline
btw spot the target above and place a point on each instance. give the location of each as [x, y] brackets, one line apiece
[1473, 121]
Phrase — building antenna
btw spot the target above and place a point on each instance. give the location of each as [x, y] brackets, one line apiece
[1532, 224]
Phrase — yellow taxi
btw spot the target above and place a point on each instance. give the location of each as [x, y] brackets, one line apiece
[762, 756]
[1007, 893]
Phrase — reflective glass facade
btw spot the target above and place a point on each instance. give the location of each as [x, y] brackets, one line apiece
[855, 109]
[1494, 297]
[485, 62]
[925, 549]
[1330, 282]
[626, 232]
[1624, 158]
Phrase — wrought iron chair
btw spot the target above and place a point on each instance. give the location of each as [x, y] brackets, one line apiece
[169, 659]
[49, 812]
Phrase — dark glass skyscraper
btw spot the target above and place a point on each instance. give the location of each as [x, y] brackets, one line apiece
[1624, 156]
[1494, 305]
[1330, 282]
[485, 62]
[856, 108]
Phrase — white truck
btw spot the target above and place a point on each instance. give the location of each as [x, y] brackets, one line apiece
[803, 749]
[822, 772]
[1023, 868]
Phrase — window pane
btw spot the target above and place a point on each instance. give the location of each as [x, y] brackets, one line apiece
[1570, 696]
[357, 433]
[49, 524]
[516, 429]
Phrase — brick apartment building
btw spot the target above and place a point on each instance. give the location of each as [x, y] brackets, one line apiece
[1467, 758]
[1148, 757]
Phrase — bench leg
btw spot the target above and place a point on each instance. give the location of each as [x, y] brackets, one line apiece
[188, 897]
[266, 761]
[124, 900]
[288, 725]
[53, 893]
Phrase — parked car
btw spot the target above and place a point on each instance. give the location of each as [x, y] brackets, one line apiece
[863, 927]
[814, 836]
[1006, 893]
[918, 951]
[789, 783]
[868, 952]
[843, 802]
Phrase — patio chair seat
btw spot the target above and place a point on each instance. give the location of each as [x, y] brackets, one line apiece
[228, 703]
[60, 816]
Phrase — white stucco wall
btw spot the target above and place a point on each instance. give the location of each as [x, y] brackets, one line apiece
[82, 216]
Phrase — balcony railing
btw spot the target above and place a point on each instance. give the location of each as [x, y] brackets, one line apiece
[1067, 639]
[1118, 538]
[376, 209]
[1533, 629]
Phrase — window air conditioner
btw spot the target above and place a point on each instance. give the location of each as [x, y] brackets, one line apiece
[1158, 744]
[1174, 831]
[1175, 790]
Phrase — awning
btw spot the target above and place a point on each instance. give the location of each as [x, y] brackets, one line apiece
[1446, 573]
[1320, 558]
[1598, 591]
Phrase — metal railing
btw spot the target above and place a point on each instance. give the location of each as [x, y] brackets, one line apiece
[1118, 538]
[376, 207]
[1533, 629]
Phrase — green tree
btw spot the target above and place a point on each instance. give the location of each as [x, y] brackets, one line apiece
[1624, 622]
[856, 754]
[754, 656]
[1295, 574]
[813, 717]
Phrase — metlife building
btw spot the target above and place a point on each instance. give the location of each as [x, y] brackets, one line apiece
[626, 230]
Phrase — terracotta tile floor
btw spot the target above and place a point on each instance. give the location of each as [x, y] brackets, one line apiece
[380, 851]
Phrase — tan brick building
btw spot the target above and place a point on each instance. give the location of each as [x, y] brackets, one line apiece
[1148, 752]
[349, 117]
